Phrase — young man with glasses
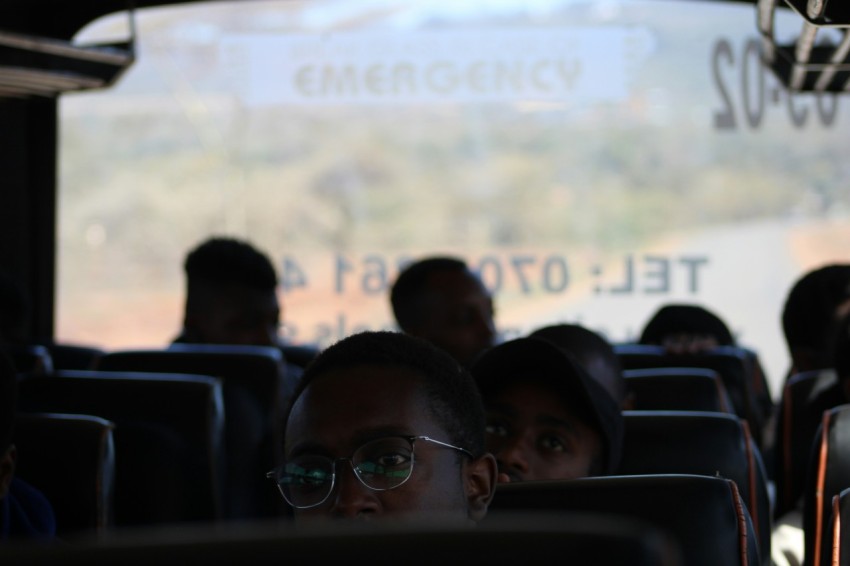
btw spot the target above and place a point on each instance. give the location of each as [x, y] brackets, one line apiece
[386, 426]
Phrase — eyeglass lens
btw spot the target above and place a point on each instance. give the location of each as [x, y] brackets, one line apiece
[382, 464]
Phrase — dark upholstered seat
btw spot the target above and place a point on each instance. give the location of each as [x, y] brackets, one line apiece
[704, 515]
[827, 475]
[168, 437]
[581, 540]
[736, 366]
[678, 389]
[254, 392]
[71, 460]
[711, 444]
[798, 418]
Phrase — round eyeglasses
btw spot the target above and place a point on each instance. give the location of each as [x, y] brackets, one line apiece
[385, 463]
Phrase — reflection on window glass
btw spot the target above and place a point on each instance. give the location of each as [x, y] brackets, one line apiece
[593, 160]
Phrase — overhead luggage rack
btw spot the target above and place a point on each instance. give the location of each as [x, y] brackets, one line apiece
[46, 67]
[809, 64]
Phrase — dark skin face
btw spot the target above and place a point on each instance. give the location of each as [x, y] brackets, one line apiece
[535, 436]
[344, 408]
[236, 315]
[458, 315]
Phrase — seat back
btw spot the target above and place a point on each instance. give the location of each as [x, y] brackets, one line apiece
[733, 364]
[73, 356]
[710, 444]
[29, 359]
[168, 438]
[827, 475]
[798, 419]
[678, 389]
[582, 540]
[704, 515]
[840, 540]
[253, 391]
[71, 460]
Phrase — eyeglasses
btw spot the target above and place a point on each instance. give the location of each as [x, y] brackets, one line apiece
[385, 463]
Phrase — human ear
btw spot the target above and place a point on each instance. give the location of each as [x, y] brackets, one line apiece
[7, 469]
[480, 484]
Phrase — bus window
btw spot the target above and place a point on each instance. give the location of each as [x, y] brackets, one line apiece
[592, 160]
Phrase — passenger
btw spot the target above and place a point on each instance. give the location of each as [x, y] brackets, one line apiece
[546, 417]
[816, 301]
[686, 329]
[25, 513]
[595, 354]
[231, 298]
[364, 407]
[441, 300]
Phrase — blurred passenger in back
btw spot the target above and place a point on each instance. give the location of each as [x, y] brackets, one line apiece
[594, 353]
[231, 298]
[546, 417]
[441, 300]
[813, 306]
[686, 329]
[25, 513]
[385, 426]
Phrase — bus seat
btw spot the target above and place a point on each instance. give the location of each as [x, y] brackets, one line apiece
[705, 515]
[827, 475]
[735, 366]
[29, 359]
[840, 540]
[71, 460]
[711, 444]
[678, 389]
[73, 356]
[525, 538]
[795, 433]
[253, 398]
[168, 438]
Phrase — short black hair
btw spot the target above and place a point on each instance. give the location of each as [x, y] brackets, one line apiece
[688, 319]
[408, 290]
[452, 395]
[808, 315]
[223, 261]
[8, 401]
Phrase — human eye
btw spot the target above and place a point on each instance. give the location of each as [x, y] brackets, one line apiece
[389, 458]
[496, 428]
[552, 442]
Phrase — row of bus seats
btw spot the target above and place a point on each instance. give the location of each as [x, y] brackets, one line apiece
[659, 444]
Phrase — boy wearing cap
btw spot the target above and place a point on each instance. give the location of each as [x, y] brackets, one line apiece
[546, 417]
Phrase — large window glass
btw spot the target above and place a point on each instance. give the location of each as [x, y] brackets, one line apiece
[592, 159]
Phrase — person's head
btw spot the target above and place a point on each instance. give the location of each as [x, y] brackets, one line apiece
[384, 425]
[8, 408]
[441, 300]
[546, 417]
[231, 294]
[686, 329]
[813, 306]
[594, 353]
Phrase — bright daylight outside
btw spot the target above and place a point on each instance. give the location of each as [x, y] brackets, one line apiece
[593, 160]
